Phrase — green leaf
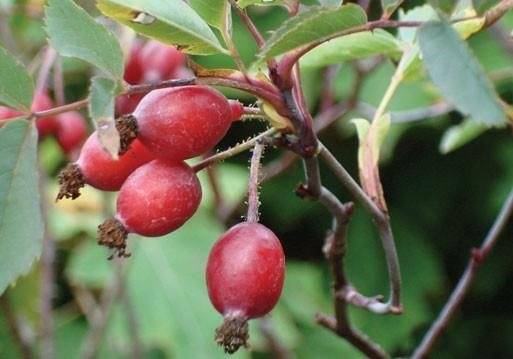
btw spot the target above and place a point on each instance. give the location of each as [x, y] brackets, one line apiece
[16, 86]
[418, 13]
[371, 138]
[74, 33]
[354, 46]
[316, 24]
[88, 266]
[245, 3]
[171, 21]
[455, 71]
[389, 6]
[21, 225]
[457, 136]
[214, 12]
[362, 129]
[101, 109]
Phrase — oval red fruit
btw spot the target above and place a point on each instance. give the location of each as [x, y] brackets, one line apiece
[134, 70]
[71, 130]
[158, 198]
[182, 122]
[159, 61]
[101, 171]
[246, 271]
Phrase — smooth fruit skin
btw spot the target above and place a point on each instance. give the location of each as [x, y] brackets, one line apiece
[134, 70]
[159, 61]
[158, 198]
[245, 271]
[182, 122]
[71, 130]
[126, 104]
[102, 171]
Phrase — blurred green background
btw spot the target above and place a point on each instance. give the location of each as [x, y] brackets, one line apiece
[441, 206]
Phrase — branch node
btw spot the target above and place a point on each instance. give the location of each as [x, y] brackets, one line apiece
[303, 192]
[478, 257]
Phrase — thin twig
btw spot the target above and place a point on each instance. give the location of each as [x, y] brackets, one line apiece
[61, 109]
[351, 184]
[259, 39]
[272, 97]
[253, 111]
[47, 295]
[244, 146]
[85, 301]
[300, 98]
[47, 279]
[133, 325]
[102, 313]
[314, 189]
[44, 71]
[463, 287]
[227, 37]
[58, 82]
[493, 14]
[280, 165]
[293, 57]
[383, 225]
[16, 327]
[254, 172]
[334, 249]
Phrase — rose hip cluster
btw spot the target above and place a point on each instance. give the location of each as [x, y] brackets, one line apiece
[159, 192]
[69, 128]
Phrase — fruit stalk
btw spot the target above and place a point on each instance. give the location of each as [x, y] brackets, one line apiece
[254, 172]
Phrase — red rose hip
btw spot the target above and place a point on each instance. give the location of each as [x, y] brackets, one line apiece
[160, 61]
[98, 169]
[156, 199]
[182, 122]
[245, 274]
[71, 130]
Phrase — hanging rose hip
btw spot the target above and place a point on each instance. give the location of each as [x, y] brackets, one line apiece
[98, 169]
[155, 199]
[182, 122]
[245, 274]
